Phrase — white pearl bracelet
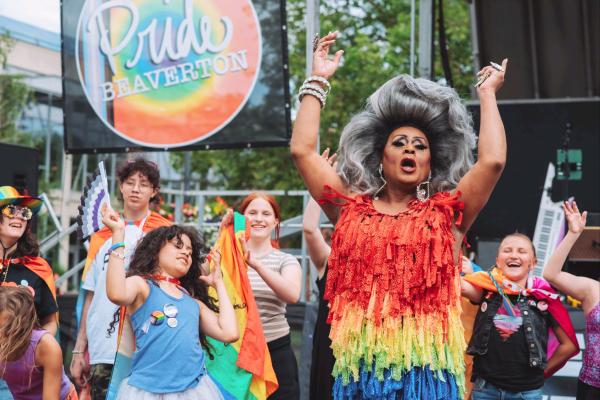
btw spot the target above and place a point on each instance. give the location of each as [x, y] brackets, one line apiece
[313, 93]
[320, 79]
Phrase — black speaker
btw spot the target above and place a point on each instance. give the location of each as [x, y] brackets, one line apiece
[19, 168]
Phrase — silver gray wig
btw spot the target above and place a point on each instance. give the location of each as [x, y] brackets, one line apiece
[406, 101]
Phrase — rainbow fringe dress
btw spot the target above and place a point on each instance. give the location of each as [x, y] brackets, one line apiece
[394, 293]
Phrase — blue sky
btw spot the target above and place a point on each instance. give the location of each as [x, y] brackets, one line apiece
[44, 14]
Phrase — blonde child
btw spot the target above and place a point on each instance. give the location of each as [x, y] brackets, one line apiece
[31, 361]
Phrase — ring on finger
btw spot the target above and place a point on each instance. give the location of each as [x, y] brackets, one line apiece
[496, 66]
[482, 79]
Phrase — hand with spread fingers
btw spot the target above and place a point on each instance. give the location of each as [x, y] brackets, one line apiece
[575, 219]
[491, 77]
[215, 275]
[250, 261]
[323, 65]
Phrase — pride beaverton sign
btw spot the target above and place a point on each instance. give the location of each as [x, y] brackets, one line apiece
[168, 73]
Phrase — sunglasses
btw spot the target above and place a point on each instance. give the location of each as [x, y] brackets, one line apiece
[12, 211]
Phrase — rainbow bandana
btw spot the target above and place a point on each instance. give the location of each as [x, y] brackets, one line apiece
[243, 369]
[394, 293]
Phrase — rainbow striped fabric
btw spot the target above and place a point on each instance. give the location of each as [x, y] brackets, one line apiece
[243, 369]
[394, 293]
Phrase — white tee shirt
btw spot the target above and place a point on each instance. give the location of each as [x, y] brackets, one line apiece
[101, 347]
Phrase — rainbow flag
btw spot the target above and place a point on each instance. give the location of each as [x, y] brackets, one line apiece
[242, 370]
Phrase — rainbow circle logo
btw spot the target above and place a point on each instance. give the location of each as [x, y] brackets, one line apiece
[167, 73]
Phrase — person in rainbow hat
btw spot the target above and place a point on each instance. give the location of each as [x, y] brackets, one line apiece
[21, 264]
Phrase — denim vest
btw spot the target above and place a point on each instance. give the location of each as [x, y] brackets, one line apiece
[534, 324]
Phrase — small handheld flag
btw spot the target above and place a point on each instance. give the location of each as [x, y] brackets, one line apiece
[95, 195]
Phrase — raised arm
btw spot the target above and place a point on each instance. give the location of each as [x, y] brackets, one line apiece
[318, 249]
[581, 288]
[316, 172]
[120, 290]
[223, 326]
[286, 285]
[477, 185]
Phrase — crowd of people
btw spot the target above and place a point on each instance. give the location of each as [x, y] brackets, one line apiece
[398, 301]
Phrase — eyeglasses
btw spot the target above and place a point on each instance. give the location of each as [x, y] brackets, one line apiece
[12, 211]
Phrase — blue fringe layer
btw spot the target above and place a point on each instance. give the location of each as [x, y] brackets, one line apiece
[416, 384]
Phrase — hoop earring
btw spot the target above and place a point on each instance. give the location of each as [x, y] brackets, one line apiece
[380, 170]
[424, 190]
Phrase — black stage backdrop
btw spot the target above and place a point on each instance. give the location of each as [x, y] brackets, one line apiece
[535, 130]
[552, 46]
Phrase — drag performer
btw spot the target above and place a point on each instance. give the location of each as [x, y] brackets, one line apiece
[139, 183]
[522, 332]
[585, 290]
[403, 195]
[21, 263]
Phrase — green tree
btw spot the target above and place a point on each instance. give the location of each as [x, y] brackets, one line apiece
[375, 35]
[14, 96]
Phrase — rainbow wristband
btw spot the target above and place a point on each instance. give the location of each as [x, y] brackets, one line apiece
[115, 246]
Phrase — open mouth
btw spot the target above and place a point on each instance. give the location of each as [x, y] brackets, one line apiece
[15, 225]
[408, 164]
[513, 265]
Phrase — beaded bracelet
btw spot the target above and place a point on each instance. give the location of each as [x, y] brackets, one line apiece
[118, 255]
[313, 93]
[314, 87]
[320, 79]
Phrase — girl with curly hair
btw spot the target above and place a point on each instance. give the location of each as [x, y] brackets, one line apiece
[403, 195]
[170, 310]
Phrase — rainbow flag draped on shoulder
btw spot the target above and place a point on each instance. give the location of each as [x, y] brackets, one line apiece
[242, 370]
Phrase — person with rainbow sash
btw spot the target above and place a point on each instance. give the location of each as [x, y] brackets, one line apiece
[403, 195]
[522, 332]
[94, 352]
[21, 263]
